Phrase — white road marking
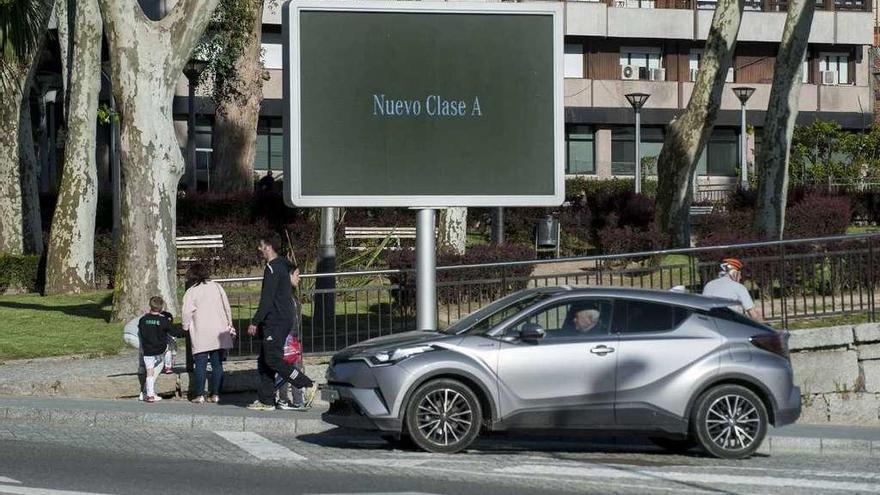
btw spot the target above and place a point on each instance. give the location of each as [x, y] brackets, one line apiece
[790, 472]
[709, 479]
[21, 490]
[4, 479]
[259, 447]
[598, 482]
[392, 463]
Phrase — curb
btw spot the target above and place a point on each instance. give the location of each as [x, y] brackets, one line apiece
[293, 425]
[305, 426]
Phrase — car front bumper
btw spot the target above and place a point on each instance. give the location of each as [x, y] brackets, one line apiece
[362, 397]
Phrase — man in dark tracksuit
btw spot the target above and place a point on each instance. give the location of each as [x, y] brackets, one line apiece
[274, 319]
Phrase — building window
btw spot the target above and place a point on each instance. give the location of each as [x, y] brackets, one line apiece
[640, 57]
[573, 61]
[580, 151]
[623, 148]
[270, 144]
[838, 62]
[694, 61]
[721, 156]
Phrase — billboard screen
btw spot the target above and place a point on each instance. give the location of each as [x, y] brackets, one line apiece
[423, 104]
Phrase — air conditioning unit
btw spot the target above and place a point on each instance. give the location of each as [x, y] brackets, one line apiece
[657, 74]
[829, 77]
[694, 73]
[629, 72]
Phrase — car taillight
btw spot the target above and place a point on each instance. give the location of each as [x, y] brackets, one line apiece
[776, 342]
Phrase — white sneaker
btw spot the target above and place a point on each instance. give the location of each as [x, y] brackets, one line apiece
[155, 399]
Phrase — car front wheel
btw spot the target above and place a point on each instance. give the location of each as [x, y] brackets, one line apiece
[730, 422]
[443, 416]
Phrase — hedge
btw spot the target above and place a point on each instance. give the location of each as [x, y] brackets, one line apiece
[19, 272]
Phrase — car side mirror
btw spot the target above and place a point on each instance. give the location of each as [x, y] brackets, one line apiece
[531, 332]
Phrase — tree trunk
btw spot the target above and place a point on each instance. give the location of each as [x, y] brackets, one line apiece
[11, 233]
[686, 136]
[12, 218]
[32, 224]
[235, 118]
[782, 110]
[70, 266]
[452, 229]
[147, 60]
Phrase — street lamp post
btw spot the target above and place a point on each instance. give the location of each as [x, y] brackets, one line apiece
[193, 70]
[637, 100]
[743, 93]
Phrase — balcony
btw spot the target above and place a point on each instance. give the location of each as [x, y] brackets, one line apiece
[690, 20]
[751, 5]
[674, 95]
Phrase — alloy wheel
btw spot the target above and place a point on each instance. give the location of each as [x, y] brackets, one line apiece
[733, 422]
[444, 417]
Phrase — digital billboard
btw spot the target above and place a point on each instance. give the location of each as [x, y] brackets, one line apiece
[423, 104]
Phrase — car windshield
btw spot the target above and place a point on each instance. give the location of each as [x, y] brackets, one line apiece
[485, 319]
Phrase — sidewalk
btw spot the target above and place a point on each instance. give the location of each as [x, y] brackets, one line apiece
[230, 415]
[233, 416]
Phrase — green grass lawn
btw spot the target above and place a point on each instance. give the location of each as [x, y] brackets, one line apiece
[862, 229]
[36, 326]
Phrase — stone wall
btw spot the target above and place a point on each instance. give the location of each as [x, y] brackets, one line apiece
[838, 370]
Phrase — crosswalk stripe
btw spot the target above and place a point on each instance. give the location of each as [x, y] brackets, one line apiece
[23, 490]
[682, 477]
[258, 446]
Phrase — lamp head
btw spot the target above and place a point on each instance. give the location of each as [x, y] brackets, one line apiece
[743, 93]
[637, 100]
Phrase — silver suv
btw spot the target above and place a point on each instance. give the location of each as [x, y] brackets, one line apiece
[682, 369]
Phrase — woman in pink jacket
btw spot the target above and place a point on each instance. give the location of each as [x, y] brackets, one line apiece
[208, 319]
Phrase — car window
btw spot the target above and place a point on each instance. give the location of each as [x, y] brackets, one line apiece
[571, 318]
[644, 316]
[485, 319]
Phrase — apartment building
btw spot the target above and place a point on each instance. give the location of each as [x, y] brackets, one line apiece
[615, 47]
[655, 47]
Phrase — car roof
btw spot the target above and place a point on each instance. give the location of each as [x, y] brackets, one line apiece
[694, 301]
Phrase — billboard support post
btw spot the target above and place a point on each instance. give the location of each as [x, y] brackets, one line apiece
[426, 270]
[325, 311]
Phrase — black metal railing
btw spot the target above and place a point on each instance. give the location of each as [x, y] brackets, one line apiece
[795, 279]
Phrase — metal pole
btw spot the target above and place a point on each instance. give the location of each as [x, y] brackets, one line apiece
[426, 271]
[498, 226]
[326, 313]
[743, 148]
[191, 137]
[638, 153]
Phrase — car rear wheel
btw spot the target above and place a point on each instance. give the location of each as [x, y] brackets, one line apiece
[730, 422]
[443, 416]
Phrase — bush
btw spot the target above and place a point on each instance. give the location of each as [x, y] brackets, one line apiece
[818, 216]
[628, 239]
[468, 282]
[105, 260]
[19, 272]
[240, 256]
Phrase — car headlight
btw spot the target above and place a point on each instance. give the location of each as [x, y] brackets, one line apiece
[387, 358]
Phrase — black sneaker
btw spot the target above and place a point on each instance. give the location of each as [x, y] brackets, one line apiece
[302, 381]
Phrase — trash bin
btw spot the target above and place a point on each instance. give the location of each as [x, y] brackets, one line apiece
[547, 232]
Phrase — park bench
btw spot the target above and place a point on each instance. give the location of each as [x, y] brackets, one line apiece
[191, 243]
[701, 210]
[394, 234]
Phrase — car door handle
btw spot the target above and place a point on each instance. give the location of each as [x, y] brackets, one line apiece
[601, 350]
